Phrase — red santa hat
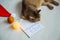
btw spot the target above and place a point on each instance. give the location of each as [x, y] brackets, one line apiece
[4, 12]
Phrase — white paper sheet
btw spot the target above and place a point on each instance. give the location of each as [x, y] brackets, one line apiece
[31, 28]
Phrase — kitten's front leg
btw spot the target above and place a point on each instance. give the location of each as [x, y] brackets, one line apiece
[48, 5]
[55, 3]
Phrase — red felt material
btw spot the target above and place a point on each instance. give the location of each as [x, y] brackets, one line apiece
[4, 12]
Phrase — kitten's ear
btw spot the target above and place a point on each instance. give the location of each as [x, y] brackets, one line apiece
[38, 11]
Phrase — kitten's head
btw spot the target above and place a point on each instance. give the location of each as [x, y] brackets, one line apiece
[34, 16]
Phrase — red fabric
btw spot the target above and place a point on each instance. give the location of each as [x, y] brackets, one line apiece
[4, 12]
